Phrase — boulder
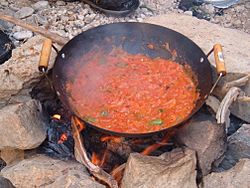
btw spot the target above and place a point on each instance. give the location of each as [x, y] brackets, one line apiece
[12, 155]
[43, 171]
[172, 169]
[203, 135]
[24, 12]
[236, 177]
[22, 126]
[20, 73]
[238, 147]
[236, 47]
[5, 183]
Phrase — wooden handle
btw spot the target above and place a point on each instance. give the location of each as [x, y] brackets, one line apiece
[219, 60]
[45, 55]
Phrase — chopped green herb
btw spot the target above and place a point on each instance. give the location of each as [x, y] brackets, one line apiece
[104, 113]
[156, 122]
[161, 110]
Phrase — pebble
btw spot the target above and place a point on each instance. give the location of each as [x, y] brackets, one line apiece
[237, 23]
[60, 3]
[40, 5]
[208, 8]
[4, 3]
[24, 12]
[190, 13]
[247, 5]
[21, 35]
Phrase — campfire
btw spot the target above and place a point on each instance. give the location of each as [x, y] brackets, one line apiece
[51, 134]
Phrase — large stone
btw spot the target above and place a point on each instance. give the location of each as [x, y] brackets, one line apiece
[20, 73]
[206, 137]
[40, 5]
[22, 126]
[238, 147]
[239, 142]
[43, 171]
[5, 183]
[12, 155]
[21, 35]
[24, 12]
[236, 46]
[236, 177]
[171, 170]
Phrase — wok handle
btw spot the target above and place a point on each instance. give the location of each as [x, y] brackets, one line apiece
[45, 55]
[219, 60]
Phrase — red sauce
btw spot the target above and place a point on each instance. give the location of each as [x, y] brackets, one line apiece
[132, 93]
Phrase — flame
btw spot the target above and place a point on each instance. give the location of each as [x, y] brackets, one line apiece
[56, 116]
[115, 139]
[99, 159]
[63, 138]
[155, 146]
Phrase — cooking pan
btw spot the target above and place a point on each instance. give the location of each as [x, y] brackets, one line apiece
[134, 39]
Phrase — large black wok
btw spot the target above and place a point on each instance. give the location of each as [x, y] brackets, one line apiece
[133, 38]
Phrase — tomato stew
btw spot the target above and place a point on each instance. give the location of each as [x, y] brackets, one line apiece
[133, 94]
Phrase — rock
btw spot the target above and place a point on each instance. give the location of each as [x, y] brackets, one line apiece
[239, 142]
[238, 147]
[190, 13]
[20, 73]
[22, 126]
[173, 169]
[208, 8]
[24, 12]
[60, 3]
[203, 135]
[21, 35]
[2, 163]
[247, 5]
[5, 183]
[4, 3]
[205, 35]
[236, 177]
[237, 23]
[43, 171]
[41, 19]
[40, 5]
[10, 156]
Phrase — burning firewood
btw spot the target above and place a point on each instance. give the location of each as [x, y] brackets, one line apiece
[81, 156]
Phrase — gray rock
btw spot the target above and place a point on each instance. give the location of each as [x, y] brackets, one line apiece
[5, 183]
[41, 19]
[190, 13]
[24, 12]
[21, 35]
[20, 73]
[237, 23]
[236, 177]
[207, 138]
[26, 129]
[40, 5]
[172, 170]
[2, 164]
[60, 3]
[4, 3]
[43, 171]
[238, 147]
[208, 8]
[247, 5]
